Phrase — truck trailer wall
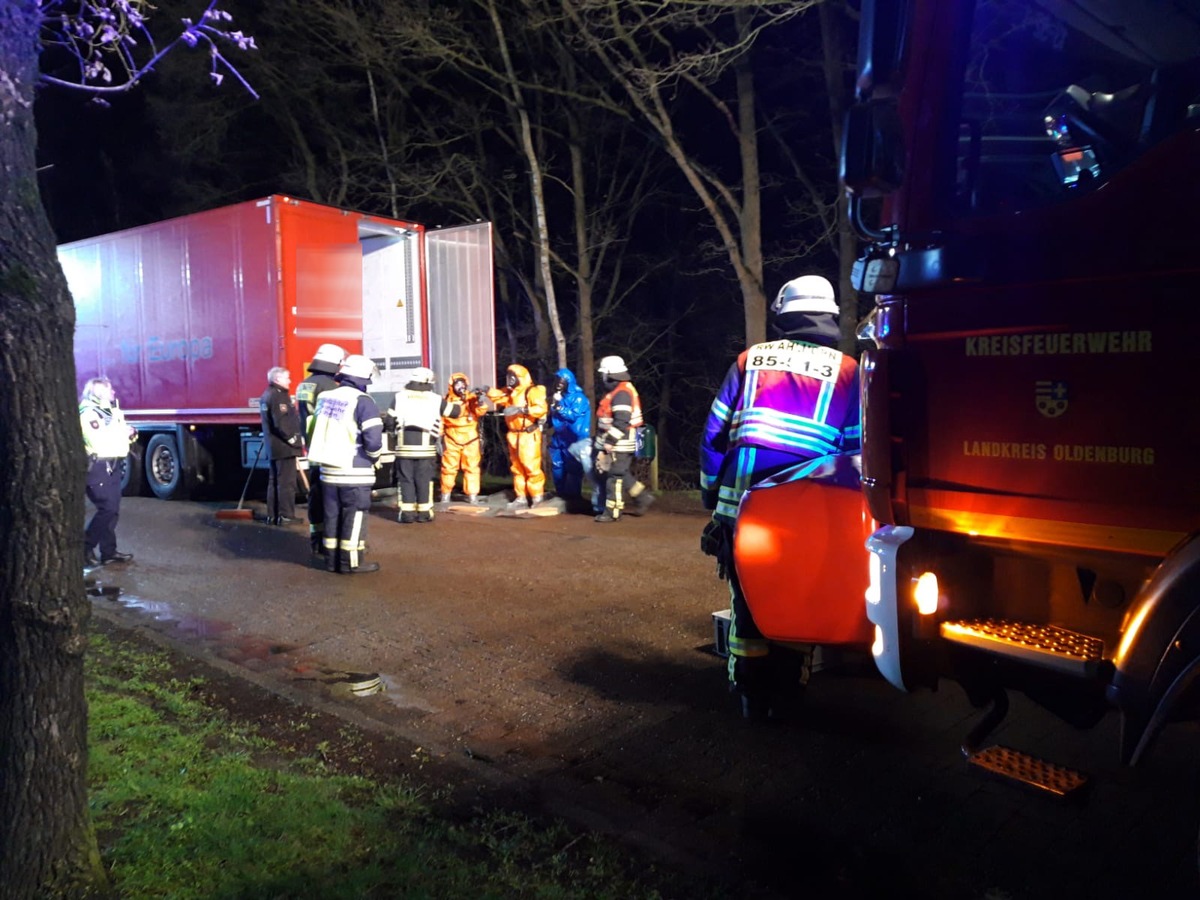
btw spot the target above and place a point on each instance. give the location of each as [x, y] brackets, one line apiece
[181, 315]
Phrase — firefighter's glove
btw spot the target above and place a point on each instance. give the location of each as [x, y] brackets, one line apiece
[515, 410]
[712, 538]
[714, 541]
[532, 427]
[294, 440]
[603, 462]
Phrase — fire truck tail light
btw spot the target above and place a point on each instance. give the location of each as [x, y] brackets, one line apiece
[925, 592]
[877, 644]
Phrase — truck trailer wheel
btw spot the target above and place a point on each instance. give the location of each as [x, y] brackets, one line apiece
[164, 468]
[133, 478]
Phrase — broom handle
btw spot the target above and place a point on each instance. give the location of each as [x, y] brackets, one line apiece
[246, 486]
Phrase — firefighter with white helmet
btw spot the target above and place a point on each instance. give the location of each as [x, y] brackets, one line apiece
[418, 413]
[324, 366]
[618, 418]
[783, 404]
[346, 440]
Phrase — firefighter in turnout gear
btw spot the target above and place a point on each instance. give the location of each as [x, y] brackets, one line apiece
[618, 418]
[462, 448]
[281, 431]
[418, 414]
[524, 405]
[785, 406]
[106, 439]
[346, 440]
[324, 366]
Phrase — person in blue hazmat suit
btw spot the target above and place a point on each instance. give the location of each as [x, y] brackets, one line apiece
[785, 407]
[571, 440]
[346, 440]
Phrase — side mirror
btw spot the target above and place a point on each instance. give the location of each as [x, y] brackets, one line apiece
[872, 149]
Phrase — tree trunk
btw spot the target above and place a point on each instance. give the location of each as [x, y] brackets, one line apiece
[47, 847]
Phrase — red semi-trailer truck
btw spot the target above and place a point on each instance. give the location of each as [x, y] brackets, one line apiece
[1024, 172]
[186, 316]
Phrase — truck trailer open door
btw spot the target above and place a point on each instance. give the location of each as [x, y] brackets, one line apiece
[461, 303]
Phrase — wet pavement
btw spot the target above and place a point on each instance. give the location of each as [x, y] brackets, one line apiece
[572, 661]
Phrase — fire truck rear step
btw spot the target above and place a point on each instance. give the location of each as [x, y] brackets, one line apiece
[1043, 645]
[1030, 771]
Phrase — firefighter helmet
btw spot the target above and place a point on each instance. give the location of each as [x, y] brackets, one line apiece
[612, 365]
[330, 353]
[422, 375]
[357, 366]
[806, 294]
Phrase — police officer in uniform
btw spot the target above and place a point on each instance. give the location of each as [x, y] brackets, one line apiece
[281, 431]
[346, 440]
[106, 438]
[618, 417]
[418, 413]
[321, 370]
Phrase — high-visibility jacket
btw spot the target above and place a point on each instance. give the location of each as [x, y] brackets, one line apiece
[346, 436]
[618, 417]
[418, 412]
[106, 434]
[319, 380]
[784, 399]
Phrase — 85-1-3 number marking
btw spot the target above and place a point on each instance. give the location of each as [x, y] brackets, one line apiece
[815, 362]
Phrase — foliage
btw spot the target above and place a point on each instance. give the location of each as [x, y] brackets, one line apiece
[95, 35]
[191, 803]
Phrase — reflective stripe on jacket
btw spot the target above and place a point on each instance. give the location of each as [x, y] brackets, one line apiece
[618, 417]
[346, 437]
[787, 396]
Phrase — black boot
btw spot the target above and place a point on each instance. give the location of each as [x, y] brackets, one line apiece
[331, 560]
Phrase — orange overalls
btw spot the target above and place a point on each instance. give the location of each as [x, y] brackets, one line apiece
[525, 407]
[461, 448]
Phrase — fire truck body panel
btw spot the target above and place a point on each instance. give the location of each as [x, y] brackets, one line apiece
[1028, 432]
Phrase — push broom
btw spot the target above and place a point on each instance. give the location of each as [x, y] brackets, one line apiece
[240, 513]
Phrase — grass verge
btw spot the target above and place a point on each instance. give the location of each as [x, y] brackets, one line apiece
[188, 802]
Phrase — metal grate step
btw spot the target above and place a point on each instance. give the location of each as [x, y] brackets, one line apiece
[1043, 645]
[1013, 765]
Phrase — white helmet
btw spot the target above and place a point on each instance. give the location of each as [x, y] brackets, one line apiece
[611, 365]
[422, 375]
[806, 294]
[358, 366]
[330, 353]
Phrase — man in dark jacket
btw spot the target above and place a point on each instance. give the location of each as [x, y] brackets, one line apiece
[281, 431]
[321, 370]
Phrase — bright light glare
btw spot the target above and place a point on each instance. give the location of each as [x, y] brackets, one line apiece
[926, 594]
[877, 644]
[874, 586]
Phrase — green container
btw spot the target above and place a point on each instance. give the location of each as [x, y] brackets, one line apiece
[647, 442]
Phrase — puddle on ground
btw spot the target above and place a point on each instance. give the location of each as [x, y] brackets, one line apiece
[254, 652]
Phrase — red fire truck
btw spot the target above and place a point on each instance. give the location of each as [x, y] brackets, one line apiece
[186, 316]
[1025, 173]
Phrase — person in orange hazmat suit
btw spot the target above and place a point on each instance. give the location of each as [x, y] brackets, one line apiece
[462, 449]
[524, 406]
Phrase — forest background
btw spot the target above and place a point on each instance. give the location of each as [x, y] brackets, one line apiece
[654, 170]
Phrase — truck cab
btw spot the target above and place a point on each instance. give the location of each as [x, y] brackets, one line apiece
[1024, 175]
